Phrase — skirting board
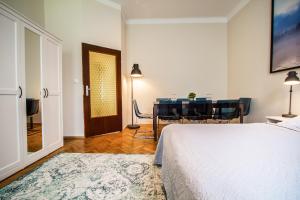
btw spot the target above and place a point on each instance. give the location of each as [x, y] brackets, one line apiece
[73, 137]
[33, 158]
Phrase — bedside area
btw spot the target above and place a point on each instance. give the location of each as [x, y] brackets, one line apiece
[276, 119]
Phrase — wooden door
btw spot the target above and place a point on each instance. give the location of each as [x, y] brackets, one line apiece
[11, 95]
[51, 83]
[102, 90]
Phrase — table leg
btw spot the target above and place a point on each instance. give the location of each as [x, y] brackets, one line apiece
[154, 124]
[241, 113]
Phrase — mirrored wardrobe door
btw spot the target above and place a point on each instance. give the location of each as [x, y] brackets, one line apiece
[33, 91]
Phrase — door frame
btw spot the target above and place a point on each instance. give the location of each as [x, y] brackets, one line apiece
[86, 82]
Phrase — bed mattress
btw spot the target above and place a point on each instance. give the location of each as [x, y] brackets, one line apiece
[228, 162]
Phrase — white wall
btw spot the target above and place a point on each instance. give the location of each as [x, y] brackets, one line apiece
[77, 21]
[125, 87]
[178, 59]
[32, 9]
[249, 63]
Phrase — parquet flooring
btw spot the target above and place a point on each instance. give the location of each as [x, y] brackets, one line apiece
[118, 143]
[34, 138]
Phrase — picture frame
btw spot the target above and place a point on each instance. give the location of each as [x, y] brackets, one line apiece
[285, 35]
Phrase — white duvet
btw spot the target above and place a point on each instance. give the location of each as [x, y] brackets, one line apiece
[230, 162]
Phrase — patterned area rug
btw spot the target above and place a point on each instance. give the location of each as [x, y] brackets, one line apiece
[90, 176]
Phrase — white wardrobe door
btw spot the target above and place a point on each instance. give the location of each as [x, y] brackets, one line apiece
[52, 121]
[52, 115]
[51, 66]
[8, 54]
[10, 138]
[10, 143]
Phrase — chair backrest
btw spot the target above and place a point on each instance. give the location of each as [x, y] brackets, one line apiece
[200, 99]
[200, 108]
[184, 105]
[32, 106]
[227, 109]
[162, 99]
[182, 99]
[246, 102]
[169, 108]
[136, 108]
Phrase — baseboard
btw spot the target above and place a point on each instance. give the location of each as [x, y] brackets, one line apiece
[30, 160]
[73, 137]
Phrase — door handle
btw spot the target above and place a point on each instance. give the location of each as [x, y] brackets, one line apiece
[21, 92]
[87, 90]
[47, 93]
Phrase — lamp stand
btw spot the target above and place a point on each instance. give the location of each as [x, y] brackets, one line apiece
[132, 126]
[290, 115]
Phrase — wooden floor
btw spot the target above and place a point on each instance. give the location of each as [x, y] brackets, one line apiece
[34, 138]
[117, 143]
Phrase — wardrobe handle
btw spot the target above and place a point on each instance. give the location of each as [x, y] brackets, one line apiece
[21, 92]
[47, 94]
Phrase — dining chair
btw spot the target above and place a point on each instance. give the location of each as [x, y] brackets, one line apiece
[32, 108]
[141, 116]
[201, 99]
[226, 110]
[169, 111]
[246, 102]
[162, 99]
[184, 102]
[199, 111]
[183, 99]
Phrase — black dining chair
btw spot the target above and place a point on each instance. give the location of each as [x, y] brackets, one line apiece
[201, 99]
[141, 116]
[170, 111]
[184, 102]
[162, 99]
[226, 110]
[246, 103]
[199, 111]
[183, 99]
[32, 108]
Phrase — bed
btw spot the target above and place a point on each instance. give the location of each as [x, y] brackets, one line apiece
[230, 161]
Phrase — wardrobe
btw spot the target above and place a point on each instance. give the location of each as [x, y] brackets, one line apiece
[31, 121]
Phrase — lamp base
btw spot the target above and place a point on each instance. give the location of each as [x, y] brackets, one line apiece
[289, 115]
[133, 126]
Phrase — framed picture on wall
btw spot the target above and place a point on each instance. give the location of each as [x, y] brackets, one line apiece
[285, 44]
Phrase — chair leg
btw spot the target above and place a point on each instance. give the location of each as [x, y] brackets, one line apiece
[135, 132]
[143, 137]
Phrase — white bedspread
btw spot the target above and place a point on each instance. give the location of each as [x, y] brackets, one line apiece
[230, 162]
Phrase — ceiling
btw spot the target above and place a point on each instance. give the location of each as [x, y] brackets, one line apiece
[137, 9]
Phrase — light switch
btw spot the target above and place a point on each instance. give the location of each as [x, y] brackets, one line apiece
[76, 80]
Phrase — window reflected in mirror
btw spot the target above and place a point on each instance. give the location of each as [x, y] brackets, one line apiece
[33, 88]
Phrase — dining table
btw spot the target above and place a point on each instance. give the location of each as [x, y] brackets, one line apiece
[214, 105]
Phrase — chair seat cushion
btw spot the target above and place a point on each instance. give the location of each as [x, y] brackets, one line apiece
[169, 117]
[197, 117]
[146, 116]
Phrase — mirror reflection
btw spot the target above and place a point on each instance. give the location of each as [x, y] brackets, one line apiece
[33, 97]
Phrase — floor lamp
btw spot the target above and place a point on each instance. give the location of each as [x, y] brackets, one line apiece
[135, 73]
[291, 80]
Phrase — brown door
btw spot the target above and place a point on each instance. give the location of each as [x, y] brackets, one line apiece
[102, 90]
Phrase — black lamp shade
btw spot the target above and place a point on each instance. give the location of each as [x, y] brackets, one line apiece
[292, 79]
[136, 72]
